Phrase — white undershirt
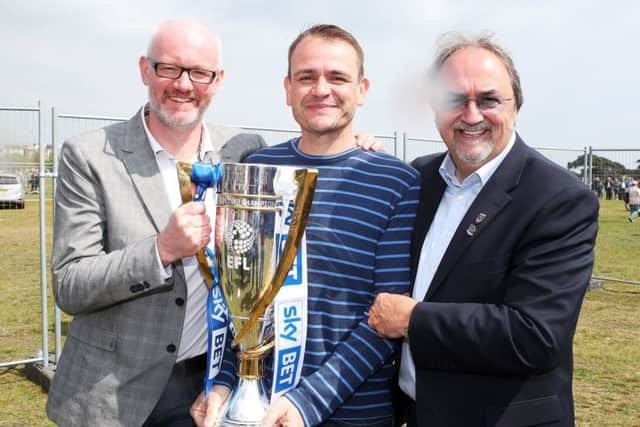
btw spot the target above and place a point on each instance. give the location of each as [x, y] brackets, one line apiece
[193, 341]
[454, 205]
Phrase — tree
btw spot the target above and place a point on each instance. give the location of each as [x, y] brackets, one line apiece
[602, 167]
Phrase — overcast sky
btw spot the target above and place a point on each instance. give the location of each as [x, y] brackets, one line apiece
[577, 59]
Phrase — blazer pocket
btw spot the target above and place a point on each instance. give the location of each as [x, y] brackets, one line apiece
[96, 337]
[540, 411]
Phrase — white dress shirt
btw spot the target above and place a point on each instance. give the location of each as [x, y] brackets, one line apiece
[193, 341]
[455, 203]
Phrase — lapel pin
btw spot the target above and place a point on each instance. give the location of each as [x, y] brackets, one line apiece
[481, 217]
[471, 229]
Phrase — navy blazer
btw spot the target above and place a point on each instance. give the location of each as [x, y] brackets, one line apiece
[492, 341]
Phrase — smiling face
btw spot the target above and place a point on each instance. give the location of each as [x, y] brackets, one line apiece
[324, 87]
[180, 103]
[472, 124]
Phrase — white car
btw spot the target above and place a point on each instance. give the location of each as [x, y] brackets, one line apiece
[11, 191]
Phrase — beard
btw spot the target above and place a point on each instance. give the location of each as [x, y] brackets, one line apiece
[332, 127]
[477, 156]
[477, 152]
[170, 120]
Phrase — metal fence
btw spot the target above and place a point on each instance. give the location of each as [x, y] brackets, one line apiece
[28, 150]
[609, 171]
[24, 128]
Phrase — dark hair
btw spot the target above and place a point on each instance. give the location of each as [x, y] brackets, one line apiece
[329, 32]
[450, 43]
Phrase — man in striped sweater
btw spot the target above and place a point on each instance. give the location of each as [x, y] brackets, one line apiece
[358, 237]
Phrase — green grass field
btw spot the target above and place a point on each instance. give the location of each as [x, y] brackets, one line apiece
[606, 347]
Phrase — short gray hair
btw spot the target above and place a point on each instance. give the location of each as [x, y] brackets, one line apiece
[451, 42]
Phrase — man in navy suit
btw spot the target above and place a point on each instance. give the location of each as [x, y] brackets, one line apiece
[502, 254]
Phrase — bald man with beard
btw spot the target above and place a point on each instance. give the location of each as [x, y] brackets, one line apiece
[123, 254]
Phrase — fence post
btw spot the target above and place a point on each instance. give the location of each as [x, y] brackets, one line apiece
[591, 165]
[43, 238]
[56, 310]
[585, 173]
[404, 146]
[395, 143]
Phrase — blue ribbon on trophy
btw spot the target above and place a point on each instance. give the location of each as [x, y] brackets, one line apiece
[290, 305]
[206, 176]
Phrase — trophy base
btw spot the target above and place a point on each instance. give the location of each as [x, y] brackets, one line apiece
[247, 406]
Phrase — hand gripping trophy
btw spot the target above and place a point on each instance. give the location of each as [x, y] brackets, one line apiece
[253, 257]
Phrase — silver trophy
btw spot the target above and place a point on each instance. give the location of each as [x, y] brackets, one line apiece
[251, 205]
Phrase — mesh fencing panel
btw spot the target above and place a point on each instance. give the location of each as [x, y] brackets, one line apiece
[20, 141]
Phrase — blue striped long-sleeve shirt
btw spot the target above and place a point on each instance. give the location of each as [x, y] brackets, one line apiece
[358, 237]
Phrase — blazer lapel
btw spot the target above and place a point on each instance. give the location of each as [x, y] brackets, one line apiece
[141, 164]
[432, 190]
[491, 200]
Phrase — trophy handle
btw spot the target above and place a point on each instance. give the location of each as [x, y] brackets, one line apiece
[306, 180]
[184, 180]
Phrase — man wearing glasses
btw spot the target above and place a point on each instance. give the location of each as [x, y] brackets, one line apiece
[501, 254]
[123, 257]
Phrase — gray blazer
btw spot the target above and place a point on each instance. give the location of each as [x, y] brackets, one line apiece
[110, 205]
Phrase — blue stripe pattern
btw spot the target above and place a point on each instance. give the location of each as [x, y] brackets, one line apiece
[358, 238]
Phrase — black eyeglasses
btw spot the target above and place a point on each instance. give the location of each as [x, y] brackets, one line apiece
[172, 71]
[484, 103]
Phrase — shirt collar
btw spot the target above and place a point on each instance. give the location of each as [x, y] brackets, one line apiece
[206, 145]
[483, 174]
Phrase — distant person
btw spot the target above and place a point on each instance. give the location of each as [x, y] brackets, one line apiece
[608, 188]
[34, 181]
[634, 200]
[626, 185]
[599, 187]
[501, 260]
[621, 191]
[358, 237]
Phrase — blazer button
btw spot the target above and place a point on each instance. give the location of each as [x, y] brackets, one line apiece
[171, 348]
[179, 301]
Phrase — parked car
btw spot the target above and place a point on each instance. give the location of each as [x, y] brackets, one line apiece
[11, 191]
